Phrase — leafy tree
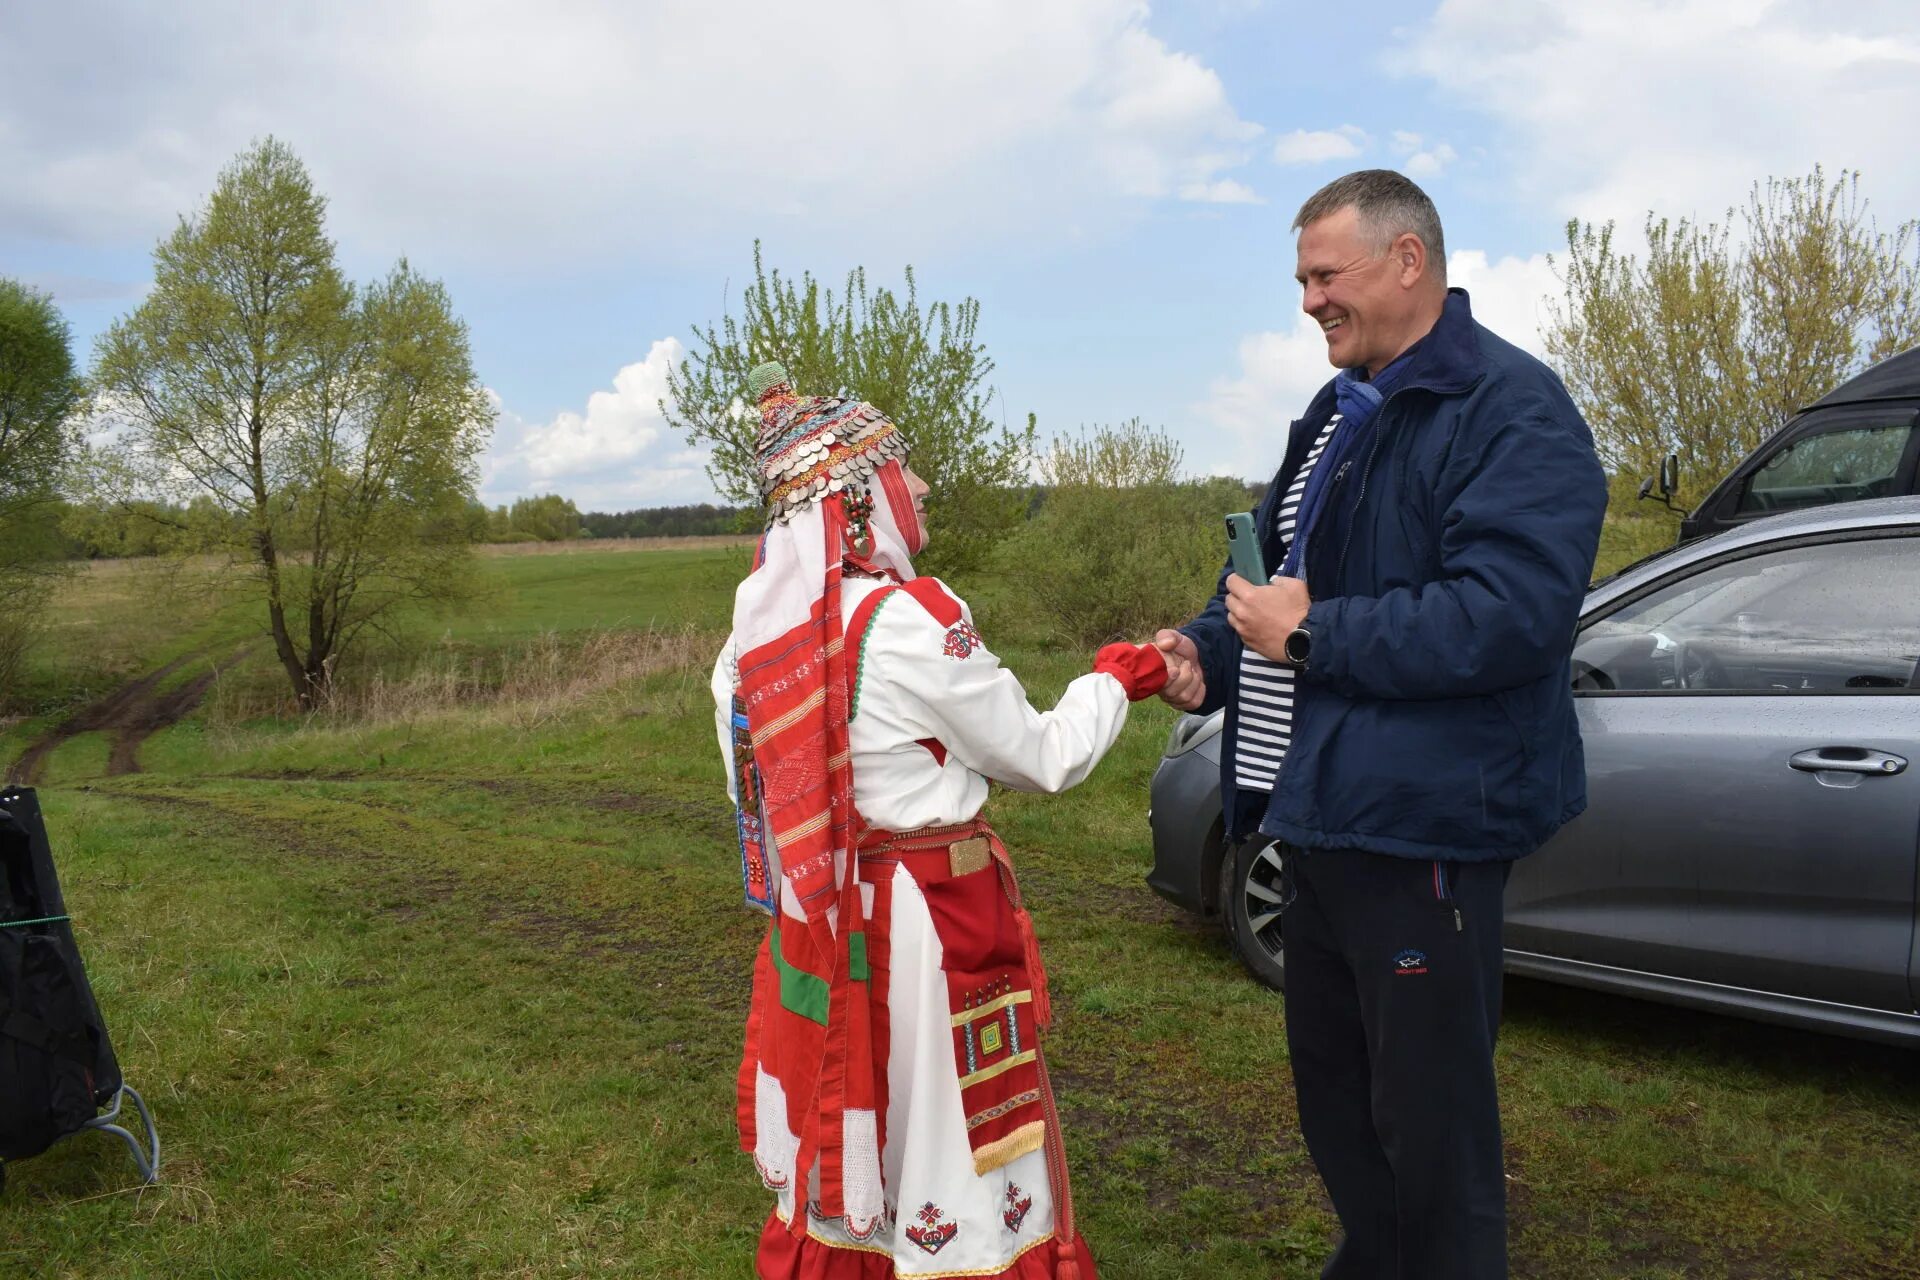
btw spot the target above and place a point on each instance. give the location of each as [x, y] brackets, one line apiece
[39, 390]
[1715, 339]
[1123, 543]
[38, 394]
[548, 517]
[923, 368]
[335, 428]
[134, 527]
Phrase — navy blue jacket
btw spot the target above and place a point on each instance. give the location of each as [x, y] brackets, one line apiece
[1434, 718]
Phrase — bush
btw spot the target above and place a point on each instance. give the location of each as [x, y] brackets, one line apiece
[1633, 528]
[21, 600]
[1122, 545]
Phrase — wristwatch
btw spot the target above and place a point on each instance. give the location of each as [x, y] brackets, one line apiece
[1298, 645]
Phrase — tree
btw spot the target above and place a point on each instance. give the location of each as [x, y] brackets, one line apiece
[38, 394]
[1713, 341]
[922, 368]
[337, 427]
[548, 517]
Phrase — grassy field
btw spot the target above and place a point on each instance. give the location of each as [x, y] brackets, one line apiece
[452, 985]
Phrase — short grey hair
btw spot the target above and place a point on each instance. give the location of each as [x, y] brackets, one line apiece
[1390, 205]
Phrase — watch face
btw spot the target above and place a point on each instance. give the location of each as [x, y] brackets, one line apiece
[1298, 644]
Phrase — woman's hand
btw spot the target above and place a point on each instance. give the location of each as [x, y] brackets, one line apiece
[1141, 669]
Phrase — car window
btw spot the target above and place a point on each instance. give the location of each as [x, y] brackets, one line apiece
[1834, 466]
[1839, 617]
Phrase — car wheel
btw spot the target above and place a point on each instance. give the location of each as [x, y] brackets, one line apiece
[1250, 898]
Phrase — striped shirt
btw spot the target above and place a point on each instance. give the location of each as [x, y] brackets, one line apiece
[1266, 686]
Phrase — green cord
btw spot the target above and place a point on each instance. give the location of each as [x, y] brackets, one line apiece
[21, 924]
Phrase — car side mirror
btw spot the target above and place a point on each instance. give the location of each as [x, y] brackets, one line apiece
[1667, 481]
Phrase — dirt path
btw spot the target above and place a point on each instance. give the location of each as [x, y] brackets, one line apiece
[133, 712]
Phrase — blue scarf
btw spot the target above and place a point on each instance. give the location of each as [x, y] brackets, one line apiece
[1358, 400]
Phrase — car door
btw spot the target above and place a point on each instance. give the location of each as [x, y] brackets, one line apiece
[1752, 728]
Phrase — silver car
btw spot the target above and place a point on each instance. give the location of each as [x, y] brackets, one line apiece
[1750, 705]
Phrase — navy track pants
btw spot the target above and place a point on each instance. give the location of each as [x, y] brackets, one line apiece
[1393, 1006]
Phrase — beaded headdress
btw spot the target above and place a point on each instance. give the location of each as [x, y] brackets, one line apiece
[810, 446]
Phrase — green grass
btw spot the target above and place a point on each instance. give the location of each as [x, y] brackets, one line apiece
[462, 996]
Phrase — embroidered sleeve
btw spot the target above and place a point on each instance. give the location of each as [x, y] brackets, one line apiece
[942, 681]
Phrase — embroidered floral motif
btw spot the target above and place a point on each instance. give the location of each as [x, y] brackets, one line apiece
[962, 640]
[935, 1235]
[1017, 1206]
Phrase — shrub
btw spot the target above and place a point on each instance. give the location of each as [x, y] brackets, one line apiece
[1122, 545]
[1633, 528]
[16, 635]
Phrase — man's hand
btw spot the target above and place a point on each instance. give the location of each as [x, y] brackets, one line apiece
[1264, 615]
[1186, 686]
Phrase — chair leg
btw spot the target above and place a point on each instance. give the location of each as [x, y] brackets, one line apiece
[147, 1161]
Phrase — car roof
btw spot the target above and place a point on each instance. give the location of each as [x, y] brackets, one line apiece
[1839, 517]
[1892, 378]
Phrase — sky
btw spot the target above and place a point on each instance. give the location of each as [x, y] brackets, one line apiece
[1113, 181]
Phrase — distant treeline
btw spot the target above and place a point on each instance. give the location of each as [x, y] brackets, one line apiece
[669, 522]
[150, 528]
[78, 531]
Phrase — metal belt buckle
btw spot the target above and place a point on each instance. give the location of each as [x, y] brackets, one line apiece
[969, 856]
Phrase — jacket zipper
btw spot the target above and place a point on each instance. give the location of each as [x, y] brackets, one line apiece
[1346, 545]
[1306, 554]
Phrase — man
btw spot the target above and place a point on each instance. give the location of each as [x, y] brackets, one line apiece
[1398, 716]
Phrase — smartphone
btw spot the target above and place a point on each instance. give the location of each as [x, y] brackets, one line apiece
[1243, 544]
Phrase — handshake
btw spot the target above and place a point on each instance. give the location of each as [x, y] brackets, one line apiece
[1170, 667]
[1186, 686]
[1262, 616]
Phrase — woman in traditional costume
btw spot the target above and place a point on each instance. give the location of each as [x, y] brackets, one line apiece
[893, 1092]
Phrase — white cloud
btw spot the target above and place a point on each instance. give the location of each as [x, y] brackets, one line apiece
[565, 131]
[1318, 146]
[1247, 414]
[616, 455]
[1225, 191]
[1510, 296]
[1680, 105]
[1420, 158]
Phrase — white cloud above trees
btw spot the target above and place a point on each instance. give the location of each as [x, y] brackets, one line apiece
[618, 454]
[559, 133]
[1609, 110]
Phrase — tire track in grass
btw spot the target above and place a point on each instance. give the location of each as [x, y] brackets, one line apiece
[398, 846]
[133, 712]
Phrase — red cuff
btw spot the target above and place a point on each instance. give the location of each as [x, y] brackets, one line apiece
[1141, 669]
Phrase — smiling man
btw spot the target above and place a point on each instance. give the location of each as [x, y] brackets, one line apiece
[1399, 717]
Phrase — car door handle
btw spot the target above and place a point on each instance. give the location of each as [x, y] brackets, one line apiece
[1848, 760]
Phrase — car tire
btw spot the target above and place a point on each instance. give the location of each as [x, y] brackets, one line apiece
[1250, 891]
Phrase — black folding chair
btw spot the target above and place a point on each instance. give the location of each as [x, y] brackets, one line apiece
[58, 1072]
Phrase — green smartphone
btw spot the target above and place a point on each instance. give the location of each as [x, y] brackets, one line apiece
[1243, 544]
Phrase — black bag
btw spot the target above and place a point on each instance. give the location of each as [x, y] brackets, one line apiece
[57, 1068]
